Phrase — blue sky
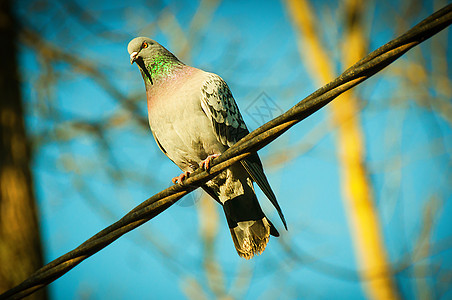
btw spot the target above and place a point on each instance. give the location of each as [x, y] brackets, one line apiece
[94, 160]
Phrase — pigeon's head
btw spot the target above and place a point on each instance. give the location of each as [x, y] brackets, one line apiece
[143, 48]
[152, 58]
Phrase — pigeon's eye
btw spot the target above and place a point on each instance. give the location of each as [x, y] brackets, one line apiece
[145, 45]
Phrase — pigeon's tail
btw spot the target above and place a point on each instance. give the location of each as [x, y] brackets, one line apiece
[250, 229]
[251, 237]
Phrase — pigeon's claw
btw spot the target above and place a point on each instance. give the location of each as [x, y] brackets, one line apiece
[205, 164]
[180, 179]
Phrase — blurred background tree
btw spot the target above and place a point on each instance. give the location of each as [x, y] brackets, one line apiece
[364, 183]
[20, 243]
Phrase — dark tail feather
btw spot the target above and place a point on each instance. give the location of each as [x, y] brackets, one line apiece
[273, 230]
[250, 229]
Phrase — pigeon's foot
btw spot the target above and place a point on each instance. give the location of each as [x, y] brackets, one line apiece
[180, 179]
[205, 164]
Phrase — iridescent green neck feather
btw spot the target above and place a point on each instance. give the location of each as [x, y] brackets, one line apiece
[160, 67]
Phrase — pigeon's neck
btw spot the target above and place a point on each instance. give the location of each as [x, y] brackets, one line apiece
[161, 68]
[162, 89]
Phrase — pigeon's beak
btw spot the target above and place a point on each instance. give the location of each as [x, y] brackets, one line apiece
[133, 57]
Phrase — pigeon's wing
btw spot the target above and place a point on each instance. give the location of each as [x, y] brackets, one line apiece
[219, 105]
[253, 166]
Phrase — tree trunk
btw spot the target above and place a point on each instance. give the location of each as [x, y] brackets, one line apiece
[20, 248]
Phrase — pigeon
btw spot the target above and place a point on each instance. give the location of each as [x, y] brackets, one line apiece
[194, 118]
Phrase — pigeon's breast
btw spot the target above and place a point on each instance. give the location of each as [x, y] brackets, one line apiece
[178, 122]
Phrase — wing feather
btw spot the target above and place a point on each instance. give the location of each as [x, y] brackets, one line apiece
[220, 107]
